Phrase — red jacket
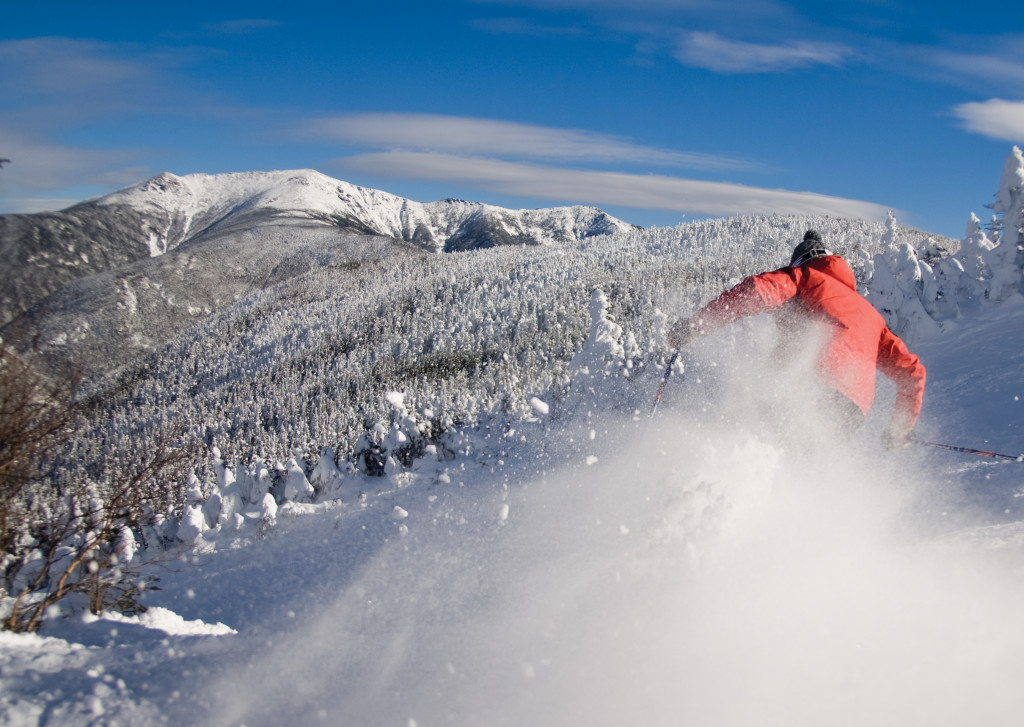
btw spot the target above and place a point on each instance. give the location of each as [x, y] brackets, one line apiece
[858, 340]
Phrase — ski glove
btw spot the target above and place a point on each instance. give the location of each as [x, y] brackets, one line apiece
[897, 436]
[681, 333]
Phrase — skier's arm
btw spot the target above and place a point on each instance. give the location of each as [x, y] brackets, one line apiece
[756, 294]
[908, 373]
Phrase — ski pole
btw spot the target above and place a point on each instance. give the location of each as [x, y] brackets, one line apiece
[664, 381]
[968, 450]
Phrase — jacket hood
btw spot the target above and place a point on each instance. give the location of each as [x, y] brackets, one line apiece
[836, 267]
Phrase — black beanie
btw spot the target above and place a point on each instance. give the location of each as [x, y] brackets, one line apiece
[811, 247]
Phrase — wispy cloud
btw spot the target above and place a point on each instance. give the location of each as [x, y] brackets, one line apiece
[38, 164]
[626, 5]
[29, 205]
[42, 68]
[57, 80]
[495, 138]
[502, 156]
[53, 87]
[715, 53]
[1000, 64]
[606, 188]
[995, 118]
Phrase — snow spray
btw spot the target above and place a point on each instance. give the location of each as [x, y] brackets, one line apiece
[711, 570]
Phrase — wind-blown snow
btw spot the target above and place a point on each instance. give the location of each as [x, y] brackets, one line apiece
[701, 575]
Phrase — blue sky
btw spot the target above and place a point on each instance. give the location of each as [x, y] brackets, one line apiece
[658, 112]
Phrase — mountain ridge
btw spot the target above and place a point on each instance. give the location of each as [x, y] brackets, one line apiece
[117, 276]
[167, 212]
[199, 205]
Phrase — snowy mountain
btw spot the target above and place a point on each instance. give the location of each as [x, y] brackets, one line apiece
[199, 207]
[120, 275]
[168, 212]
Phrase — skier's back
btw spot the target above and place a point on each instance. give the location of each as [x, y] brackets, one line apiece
[820, 287]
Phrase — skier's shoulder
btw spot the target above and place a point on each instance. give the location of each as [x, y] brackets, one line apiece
[830, 268]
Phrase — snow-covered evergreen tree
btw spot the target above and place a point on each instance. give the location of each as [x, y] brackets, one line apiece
[602, 350]
[326, 478]
[1010, 198]
[1004, 260]
[296, 487]
[973, 257]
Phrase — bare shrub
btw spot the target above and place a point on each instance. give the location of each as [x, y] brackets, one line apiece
[69, 526]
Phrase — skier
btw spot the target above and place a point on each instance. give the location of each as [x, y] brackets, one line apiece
[816, 295]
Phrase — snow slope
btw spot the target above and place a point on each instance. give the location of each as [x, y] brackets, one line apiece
[605, 570]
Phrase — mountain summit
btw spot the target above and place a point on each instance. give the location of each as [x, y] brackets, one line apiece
[198, 206]
[263, 212]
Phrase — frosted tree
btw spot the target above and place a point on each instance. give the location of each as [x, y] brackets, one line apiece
[602, 350]
[601, 357]
[261, 482]
[268, 514]
[1004, 260]
[898, 283]
[973, 256]
[225, 500]
[193, 523]
[404, 442]
[296, 486]
[889, 238]
[1010, 198]
[941, 295]
[326, 478]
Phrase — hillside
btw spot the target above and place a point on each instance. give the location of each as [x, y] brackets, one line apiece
[117, 277]
[305, 364]
[598, 568]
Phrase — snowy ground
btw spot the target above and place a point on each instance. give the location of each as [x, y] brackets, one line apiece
[684, 570]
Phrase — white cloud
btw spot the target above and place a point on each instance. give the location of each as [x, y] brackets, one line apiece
[29, 205]
[632, 6]
[473, 136]
[995, 118]
[62, 82]
[607, 188]
[1002, 66]
[39, 165]
[499, 156]
[58, 88]
[715, 53]
[65, 67]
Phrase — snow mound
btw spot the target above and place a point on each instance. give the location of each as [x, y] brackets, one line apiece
[170, 623]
